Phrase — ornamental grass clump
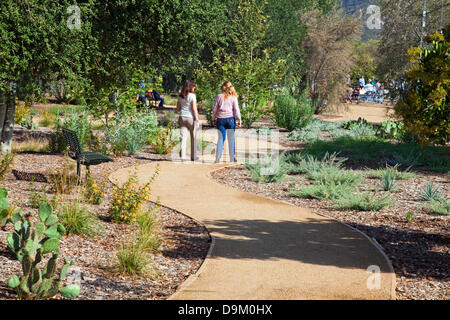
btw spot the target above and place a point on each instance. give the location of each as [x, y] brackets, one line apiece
[76, 218]
[128, 198]
[133, 256]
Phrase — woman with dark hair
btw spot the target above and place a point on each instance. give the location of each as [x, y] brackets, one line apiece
[188, 120]
[225, 114]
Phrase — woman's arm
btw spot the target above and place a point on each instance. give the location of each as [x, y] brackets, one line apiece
[215, 109]
[194, 109]
[178, 106]
[236, 111]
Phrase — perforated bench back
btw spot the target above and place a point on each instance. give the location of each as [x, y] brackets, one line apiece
[71, 139]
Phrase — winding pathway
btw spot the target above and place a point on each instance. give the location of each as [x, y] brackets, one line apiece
[267, 249]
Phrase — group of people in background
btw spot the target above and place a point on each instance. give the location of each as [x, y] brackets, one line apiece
[225, 115]
[146, 95]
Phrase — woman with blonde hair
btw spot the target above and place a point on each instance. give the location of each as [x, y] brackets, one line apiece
[188, 120]
[224, 115]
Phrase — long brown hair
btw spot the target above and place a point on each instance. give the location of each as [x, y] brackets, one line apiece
[228, 90]
[187, 88]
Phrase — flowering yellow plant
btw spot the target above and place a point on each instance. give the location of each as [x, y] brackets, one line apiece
[128, 198]
[93, 192]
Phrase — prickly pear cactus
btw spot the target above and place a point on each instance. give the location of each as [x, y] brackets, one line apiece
[30, 242]
[4, 213]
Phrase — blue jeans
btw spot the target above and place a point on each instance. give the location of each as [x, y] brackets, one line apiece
[161, 104]
[225, 125]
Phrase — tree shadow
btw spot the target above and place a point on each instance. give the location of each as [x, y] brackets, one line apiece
[192, 242]
[328, 242]
[414, 254]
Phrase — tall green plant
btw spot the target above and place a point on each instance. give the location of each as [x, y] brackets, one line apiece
[80, 123]
[290, 113]
[425, 109]
[130, 132]
[248, 65]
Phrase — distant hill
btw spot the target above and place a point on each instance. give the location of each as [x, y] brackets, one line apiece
[359, 9]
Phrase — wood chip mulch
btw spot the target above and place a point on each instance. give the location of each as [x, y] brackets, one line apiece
[183, 248]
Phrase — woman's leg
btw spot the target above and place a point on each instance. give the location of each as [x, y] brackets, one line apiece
[184, 134]
[193, 134]
[231, 126]
[222, 133]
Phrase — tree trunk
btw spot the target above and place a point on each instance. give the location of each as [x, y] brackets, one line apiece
[7, 110]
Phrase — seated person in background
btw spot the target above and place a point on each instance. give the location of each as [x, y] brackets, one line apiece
[153, 94]
[141, 96]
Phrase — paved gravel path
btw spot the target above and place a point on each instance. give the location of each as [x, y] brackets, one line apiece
[267, 249]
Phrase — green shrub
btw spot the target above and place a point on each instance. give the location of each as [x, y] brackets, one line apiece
[22, 111]
[322, 190]
[332, 175]
[164, 141]
[362, 202]
[269, 170]
[93, 191]
[76, 219]
[131, 132]
[311, 131]
[78, 121]
[6, 160]
[424, 109]
[300, 163]
[393, 171]
[128, 198]
[440, 206]
[290, 113]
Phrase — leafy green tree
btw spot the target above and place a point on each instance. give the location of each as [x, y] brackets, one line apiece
[365, 59]
[36, 48]
[245, 63]
[402, 29]
[425, 109]
[328, 46]
[286, 32]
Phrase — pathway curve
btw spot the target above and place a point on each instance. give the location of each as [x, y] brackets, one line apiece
[267, 249]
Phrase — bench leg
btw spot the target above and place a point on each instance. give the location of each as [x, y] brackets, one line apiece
[79, 172]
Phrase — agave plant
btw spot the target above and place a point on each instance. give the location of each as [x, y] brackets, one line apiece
[429, 193]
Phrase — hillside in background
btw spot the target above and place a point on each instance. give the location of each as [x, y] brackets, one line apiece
[359, 8]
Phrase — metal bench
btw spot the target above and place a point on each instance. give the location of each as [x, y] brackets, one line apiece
[83, 158]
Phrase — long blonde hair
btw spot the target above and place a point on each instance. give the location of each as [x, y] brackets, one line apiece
[228, 90]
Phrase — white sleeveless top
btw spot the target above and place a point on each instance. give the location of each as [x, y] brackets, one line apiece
[186, 105]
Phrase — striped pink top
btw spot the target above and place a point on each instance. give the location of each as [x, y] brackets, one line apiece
[226, 108]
